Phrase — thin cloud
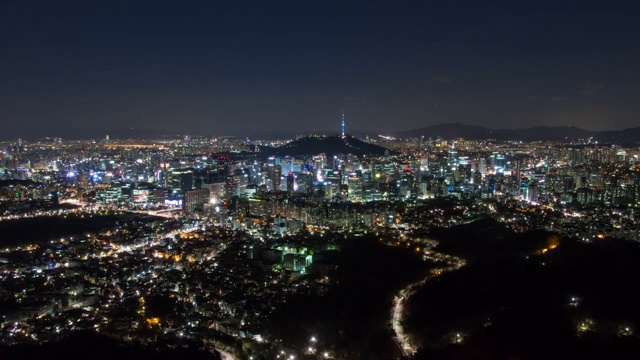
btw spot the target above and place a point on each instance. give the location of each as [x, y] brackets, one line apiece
[559, 98]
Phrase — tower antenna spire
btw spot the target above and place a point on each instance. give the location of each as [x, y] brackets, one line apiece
[343, 124]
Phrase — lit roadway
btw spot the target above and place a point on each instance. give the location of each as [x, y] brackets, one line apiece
[225, 355]
[400, 336]
[165, 213]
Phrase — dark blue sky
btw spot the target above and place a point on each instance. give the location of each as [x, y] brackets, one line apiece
[235, 67]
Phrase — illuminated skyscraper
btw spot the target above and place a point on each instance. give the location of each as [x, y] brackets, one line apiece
[343, 124]
[454, 160]
[181, 179]
[354, 191]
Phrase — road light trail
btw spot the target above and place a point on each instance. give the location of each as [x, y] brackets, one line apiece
[225, 355]
[400, 337]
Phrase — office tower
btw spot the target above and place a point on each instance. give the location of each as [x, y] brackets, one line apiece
[355, 187]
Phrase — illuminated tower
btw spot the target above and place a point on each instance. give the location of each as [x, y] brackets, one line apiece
[343, 124]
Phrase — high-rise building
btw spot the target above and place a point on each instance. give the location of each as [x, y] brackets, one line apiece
[532, 192]
[355, 187]
[291, 183]
[181, 179]
[334, 177]
[274, 174]
[454, 161]
[194, 198]
[304, 182]
[223, 167]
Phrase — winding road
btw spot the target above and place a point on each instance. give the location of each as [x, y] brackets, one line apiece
[400, 336]
[225, 355]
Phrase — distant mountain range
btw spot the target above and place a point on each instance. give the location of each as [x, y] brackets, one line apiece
[552, 133]
[447, 131]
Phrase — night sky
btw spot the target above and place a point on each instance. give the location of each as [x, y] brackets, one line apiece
[249, 67]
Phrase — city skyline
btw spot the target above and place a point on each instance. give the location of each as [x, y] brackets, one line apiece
[211, 68]
[448, 131]
[324, 247]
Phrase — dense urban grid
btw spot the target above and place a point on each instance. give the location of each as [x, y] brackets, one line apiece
[207, 242]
